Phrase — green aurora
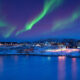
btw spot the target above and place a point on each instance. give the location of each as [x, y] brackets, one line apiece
[5, 24]
[46, 9]
[9, 32]
[49, 5]
[61, 23]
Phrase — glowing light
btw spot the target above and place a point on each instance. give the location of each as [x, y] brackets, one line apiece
[74, 68]
[47, 8]
[9, 32]
[61, 24]
[49, 58]
[2, 24]
[62, 50]
[74, 59]
[61, 67]
[61, 58]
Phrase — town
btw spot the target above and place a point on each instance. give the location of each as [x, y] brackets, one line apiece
[42, 47]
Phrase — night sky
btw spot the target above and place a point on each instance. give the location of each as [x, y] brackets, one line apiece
[22, 20]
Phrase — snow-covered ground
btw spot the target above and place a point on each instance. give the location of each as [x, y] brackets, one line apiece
[39, 51]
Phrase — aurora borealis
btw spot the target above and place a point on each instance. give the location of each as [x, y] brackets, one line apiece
[30, 19]
[61, 24]
[47, 5]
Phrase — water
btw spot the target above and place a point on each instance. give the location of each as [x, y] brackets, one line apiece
[39, 68]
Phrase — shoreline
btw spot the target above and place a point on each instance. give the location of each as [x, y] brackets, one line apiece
[39, 55]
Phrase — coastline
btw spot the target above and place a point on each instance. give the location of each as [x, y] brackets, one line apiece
[39, 55]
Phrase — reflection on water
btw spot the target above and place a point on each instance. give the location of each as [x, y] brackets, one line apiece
[39, 68]
[61, 68]
[16, 58]
[74, 69]
[1, 64]
[74, 60]
[61, 58]
[49, 58]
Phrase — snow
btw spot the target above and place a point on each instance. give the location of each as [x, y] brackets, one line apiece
[40, 51]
